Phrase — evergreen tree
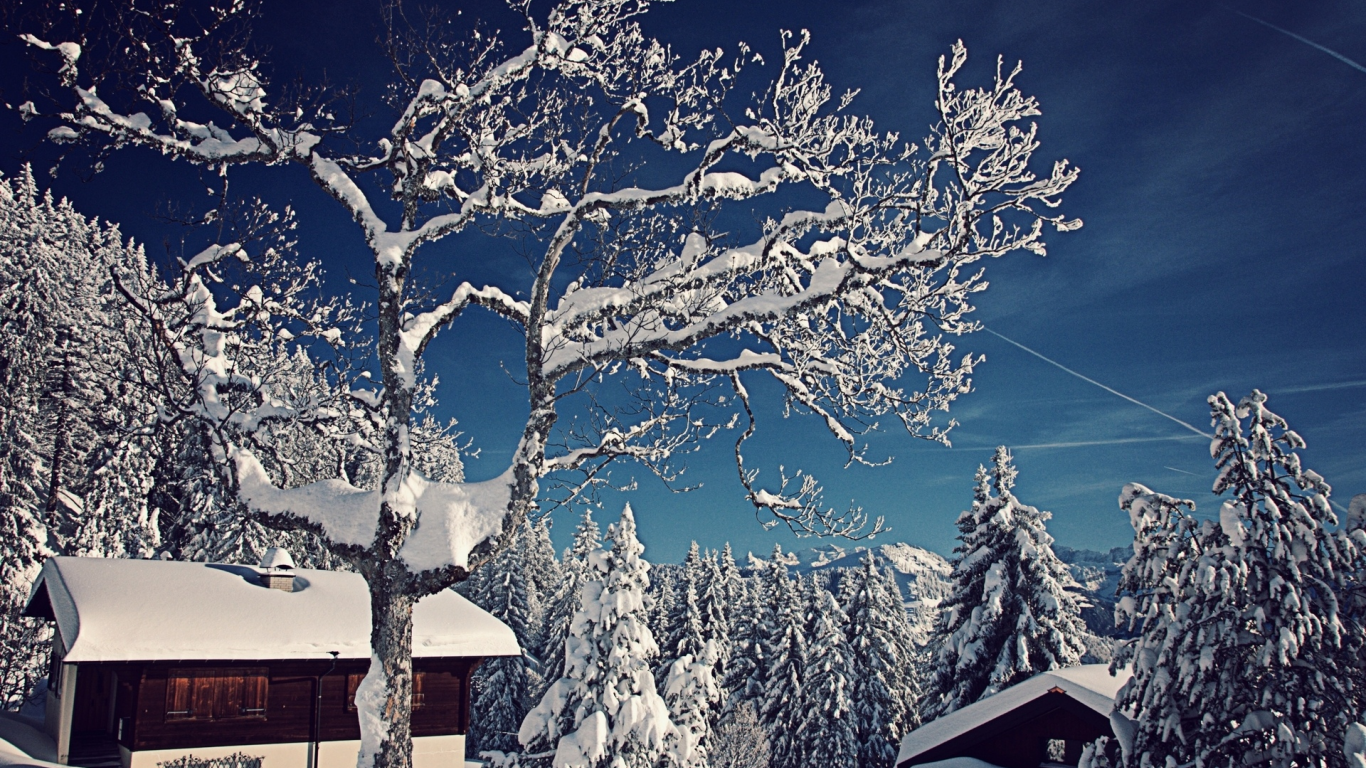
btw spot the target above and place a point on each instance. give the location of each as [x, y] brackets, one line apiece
[560, 612]
[714, 607]
[543, 576]
[826, 733]
[692, 695]
[502, 685]
[605, 710]
[786, 652]
[1240, 659]
[885, 687]
[1009, 616]
[740, 741]
[744, 677]
[683, 627]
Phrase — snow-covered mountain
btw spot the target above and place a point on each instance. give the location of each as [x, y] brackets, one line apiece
[924, 577]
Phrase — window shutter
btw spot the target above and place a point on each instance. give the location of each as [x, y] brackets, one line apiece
[216, 694]
[254, 693]
[178, 696]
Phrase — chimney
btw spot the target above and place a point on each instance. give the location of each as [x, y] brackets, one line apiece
[277, 569]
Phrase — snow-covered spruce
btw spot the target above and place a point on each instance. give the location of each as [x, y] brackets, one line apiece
[684, 631]
[78, 436]
[745, 669]
[785, 652]
[1241, 658]
[605, 709]
[739, 740]
[502, 686]
[884, 687]
[559, 614]
[693, 696]
[826, 730]
[1010, 616]
[857, 275]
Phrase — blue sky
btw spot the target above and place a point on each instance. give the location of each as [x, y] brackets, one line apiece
[1224, 193]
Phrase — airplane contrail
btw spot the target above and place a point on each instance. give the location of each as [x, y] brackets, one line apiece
[1182, 471]
[1305, 40]
[1090, 380]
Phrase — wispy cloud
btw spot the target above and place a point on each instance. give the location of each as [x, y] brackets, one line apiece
[1090, 380]
[1302, 39]
[1078, 443]
[1319, 387]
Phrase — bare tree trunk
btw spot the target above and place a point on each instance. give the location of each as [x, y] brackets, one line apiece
[391, 642]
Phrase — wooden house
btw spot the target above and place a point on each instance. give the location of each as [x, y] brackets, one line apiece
[1043, 721]
[174, 664]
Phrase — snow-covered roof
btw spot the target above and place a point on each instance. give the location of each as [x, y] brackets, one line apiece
[154, 610]
[1089, 684]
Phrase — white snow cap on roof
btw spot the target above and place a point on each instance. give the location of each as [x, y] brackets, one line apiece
[1089, 684]
[152, 610]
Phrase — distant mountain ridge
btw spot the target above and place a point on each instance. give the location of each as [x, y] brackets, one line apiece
[923, 576]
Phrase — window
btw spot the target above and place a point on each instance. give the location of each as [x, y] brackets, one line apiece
[216, 694]
[353, 682]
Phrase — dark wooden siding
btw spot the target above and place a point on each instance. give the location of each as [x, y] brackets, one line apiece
[1019, 738]
[291, 691]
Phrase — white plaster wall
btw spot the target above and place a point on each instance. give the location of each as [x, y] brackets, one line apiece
[294, 755]
[428, 752]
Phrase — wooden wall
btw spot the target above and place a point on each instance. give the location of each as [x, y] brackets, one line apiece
[290, 695]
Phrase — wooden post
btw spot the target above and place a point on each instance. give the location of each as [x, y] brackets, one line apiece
[66, 713]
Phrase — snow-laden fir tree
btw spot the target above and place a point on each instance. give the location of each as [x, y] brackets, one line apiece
[785, 650]
[714, 606]
[683, 632]
[826, 730]
[739, 740]
[1240, 660]
[605, 710]
[743, 682]
[693, 696]
[559, 614]
[70, 427]
[1009, 616]
[543, 576]
[502, 686]
[885, 688]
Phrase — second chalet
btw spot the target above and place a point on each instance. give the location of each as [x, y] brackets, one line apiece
[203, 665]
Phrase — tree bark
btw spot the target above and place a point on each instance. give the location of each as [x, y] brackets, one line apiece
[391, 642]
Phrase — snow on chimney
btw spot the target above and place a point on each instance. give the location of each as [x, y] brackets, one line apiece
[277, 569]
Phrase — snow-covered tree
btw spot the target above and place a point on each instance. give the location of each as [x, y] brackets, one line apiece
[884, 687]
[785, 652]
[1240, 657]
[847, 290]
[714, 606]
[827, 724]
[683, 633]
[605, 710]
[1009, 616]
[745, 669]
[559, 614]
[739, 741]
[502, 686]
[70, 425]
[693, 696]
[543, 576]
